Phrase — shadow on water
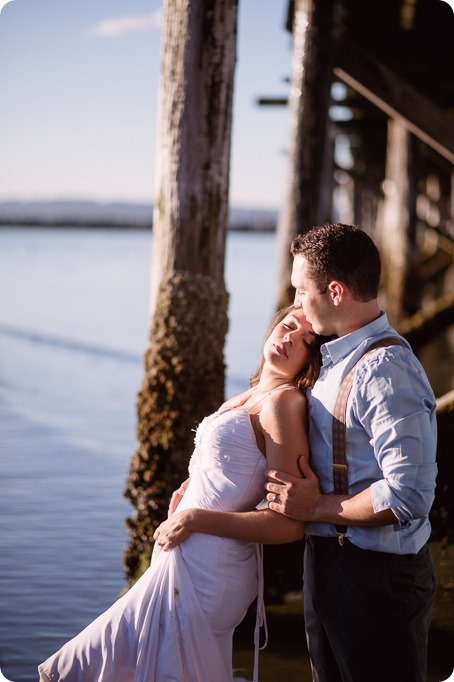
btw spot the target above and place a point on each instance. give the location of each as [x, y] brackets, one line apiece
[286, 655]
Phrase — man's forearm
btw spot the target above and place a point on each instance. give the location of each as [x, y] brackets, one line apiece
[350, 510]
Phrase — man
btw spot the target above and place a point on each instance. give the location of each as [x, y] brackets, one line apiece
[368, 601]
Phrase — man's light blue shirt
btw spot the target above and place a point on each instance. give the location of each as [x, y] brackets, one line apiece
[391, 436]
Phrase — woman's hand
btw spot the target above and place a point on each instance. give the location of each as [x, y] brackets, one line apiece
[175, 530]
[177, 496]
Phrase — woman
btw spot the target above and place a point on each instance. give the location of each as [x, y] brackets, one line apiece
[176, 623]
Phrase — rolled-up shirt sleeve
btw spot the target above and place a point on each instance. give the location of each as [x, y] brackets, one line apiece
[397, 409]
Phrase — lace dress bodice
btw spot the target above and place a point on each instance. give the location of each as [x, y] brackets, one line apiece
[227, 469]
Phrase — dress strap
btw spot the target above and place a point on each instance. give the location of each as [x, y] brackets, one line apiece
[260, 620]
[285, 387]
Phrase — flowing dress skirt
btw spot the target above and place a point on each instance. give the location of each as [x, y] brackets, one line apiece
[159, 631]
[176, 623]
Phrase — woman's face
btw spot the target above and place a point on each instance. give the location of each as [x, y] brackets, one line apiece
[288, 347]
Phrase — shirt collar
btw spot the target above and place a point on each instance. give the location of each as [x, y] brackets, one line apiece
[339, 348]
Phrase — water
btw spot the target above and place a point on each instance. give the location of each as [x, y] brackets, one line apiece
[73, 328]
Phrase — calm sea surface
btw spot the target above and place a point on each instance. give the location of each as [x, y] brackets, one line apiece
[73, 328]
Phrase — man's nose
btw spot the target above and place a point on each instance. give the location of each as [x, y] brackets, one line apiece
[297, 302]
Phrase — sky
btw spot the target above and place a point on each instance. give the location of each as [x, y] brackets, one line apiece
[79, 82]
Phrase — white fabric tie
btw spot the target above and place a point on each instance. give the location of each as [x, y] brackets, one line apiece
[261, 613]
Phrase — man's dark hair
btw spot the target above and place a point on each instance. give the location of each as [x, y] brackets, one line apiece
[344, 253]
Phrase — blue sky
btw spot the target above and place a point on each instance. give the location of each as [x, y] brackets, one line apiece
[78, 101]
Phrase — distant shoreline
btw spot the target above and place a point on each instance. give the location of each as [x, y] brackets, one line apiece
[87, 214]
[5, 222]
[261, 226]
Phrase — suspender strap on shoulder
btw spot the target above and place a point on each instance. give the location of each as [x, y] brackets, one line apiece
[340, 469]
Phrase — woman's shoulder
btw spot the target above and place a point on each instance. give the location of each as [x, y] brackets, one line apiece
[284, 414]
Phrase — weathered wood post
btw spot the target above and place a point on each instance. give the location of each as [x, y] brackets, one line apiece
[184, 363]
[316, 31]
[395, 234]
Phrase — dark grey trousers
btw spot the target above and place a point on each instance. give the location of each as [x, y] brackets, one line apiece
[367, 614]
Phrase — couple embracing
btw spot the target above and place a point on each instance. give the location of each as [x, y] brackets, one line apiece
[338, 430]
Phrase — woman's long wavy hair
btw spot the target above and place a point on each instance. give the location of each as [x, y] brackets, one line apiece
[308, 375]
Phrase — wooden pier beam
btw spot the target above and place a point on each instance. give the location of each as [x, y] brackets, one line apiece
[425, 325]
[442, 512]
[316, 31]
[397, 98]
[396, 229]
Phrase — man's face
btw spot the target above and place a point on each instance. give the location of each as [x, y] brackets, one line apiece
[316, 306]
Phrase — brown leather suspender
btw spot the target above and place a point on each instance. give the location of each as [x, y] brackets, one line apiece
[340, 469]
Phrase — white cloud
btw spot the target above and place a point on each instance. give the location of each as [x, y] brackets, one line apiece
[114, 28]
[2, 4]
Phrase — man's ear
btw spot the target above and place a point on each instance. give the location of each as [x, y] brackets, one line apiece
[336, 291]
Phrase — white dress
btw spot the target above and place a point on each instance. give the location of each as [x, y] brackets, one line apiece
[176, 623]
